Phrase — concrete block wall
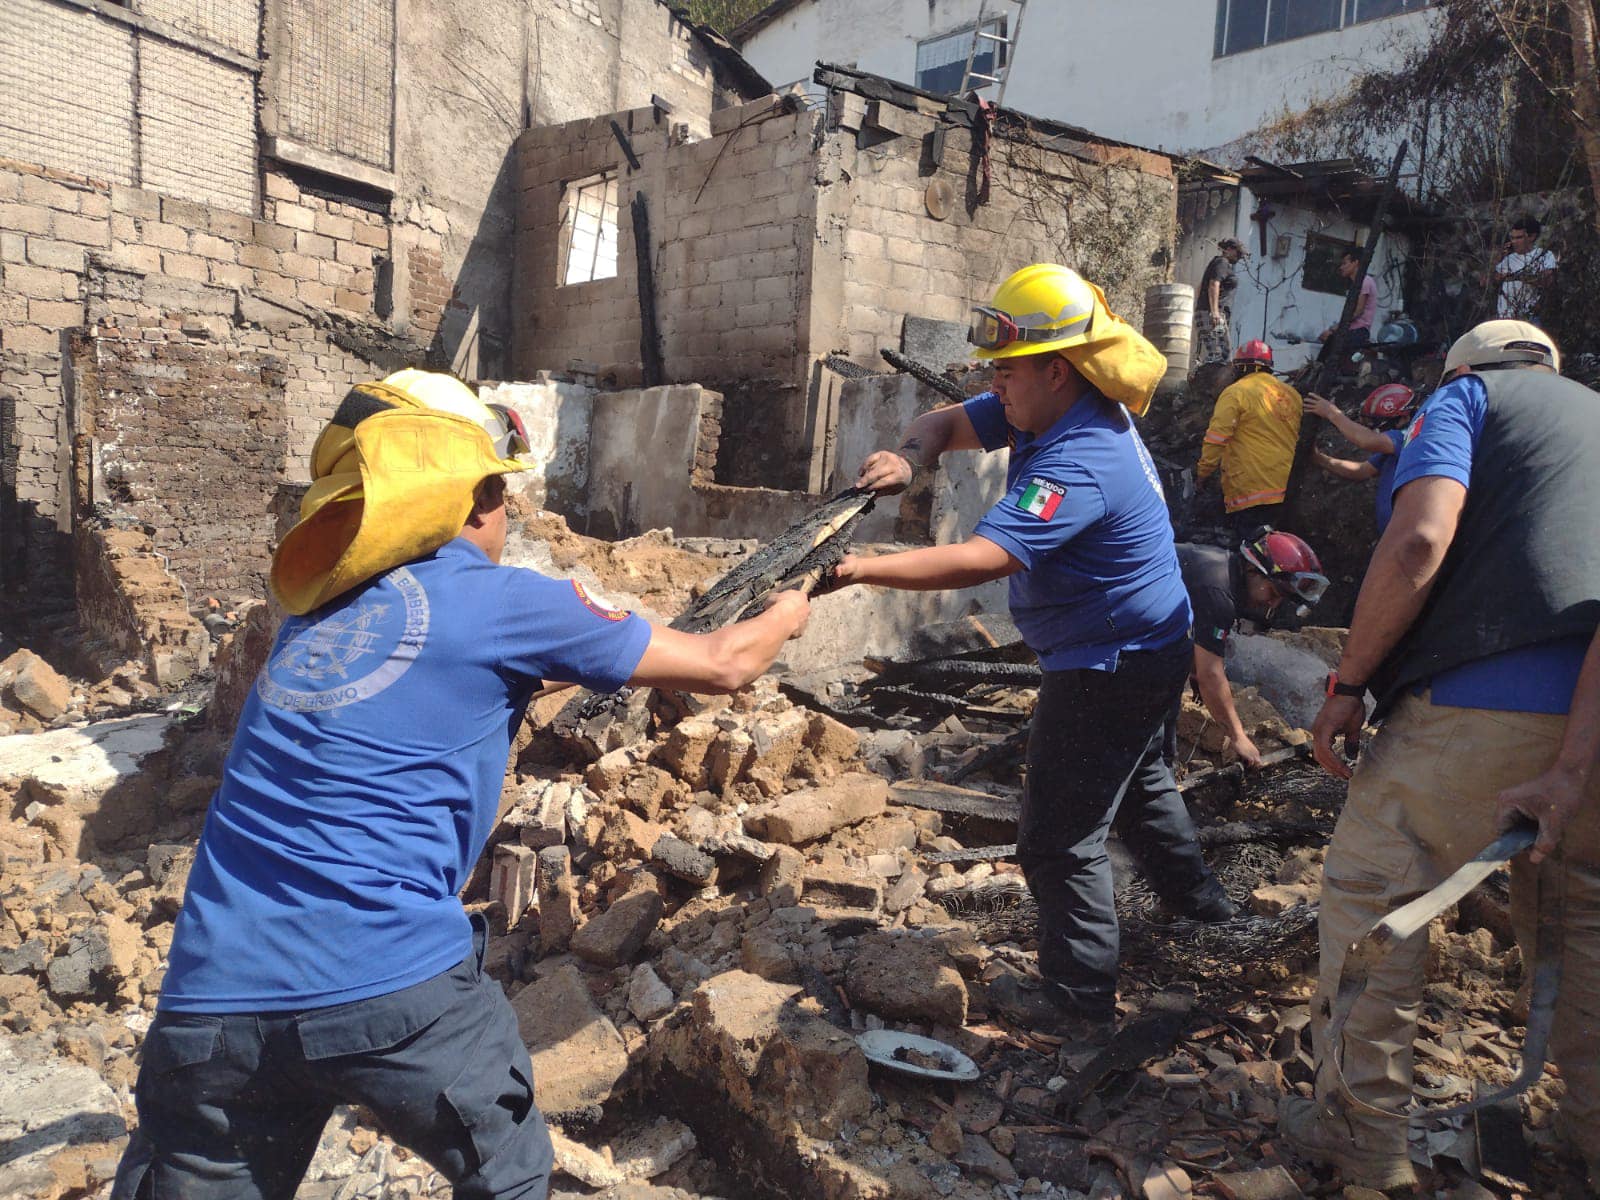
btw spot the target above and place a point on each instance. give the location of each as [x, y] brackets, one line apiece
[729, 218]
[558, 416]
[779, 241]
[598, 55]
[642, 454]
[1110, 215]
[883, 255]
[734, 231]
[598, 321]
[873, 414]
[643, 449]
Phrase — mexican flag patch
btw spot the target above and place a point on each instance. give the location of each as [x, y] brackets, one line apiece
[1041, 498]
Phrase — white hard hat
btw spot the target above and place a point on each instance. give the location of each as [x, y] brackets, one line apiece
[1496, 342]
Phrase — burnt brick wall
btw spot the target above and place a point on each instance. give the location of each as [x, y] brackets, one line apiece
[188, 438]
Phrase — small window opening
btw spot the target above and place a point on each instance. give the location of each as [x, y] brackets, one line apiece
[1323, 255]
[589, 230]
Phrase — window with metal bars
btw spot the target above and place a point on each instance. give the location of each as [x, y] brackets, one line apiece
[589, 230]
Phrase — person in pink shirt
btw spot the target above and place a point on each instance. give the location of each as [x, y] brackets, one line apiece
[1360, 331]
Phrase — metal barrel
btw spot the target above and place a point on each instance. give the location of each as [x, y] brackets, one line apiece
[1169, 324]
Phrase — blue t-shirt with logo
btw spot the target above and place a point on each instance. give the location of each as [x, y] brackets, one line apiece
[365, 778]
[1540, 678]
[1084, 514]
[1386, 463]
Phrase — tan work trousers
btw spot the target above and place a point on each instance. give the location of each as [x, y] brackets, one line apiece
[1421, 803]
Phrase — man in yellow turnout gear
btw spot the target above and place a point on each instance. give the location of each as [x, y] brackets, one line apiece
[1252, 437]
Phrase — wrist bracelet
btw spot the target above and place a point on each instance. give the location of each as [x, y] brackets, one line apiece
[1336, 687]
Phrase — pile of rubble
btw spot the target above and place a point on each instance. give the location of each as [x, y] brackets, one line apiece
[697, 907]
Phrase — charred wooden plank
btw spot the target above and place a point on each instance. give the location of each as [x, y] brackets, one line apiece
[924, 374]
[1008, 752]
[980, 633]
[944, 673]
[973, 854]
[958, 801]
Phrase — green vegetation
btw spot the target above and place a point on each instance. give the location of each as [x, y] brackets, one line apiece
[724, 14]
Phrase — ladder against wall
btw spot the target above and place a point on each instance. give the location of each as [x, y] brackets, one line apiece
[1004, 45]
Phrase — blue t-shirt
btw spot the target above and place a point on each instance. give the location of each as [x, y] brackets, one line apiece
[1386, 463]
[365, 778]
[1084, 514]
[1535, 679]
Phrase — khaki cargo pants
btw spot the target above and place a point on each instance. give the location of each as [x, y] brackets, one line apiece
[1422, 803]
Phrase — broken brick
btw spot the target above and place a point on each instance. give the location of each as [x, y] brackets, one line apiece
[682, 861]
[558, 899]
[908, 978]
[814, 813]
[617, 935]
[835, 884]
[578, 1056]
[38, 687]
[1265, 1183]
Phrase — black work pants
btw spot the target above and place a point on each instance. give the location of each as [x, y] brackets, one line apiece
[1245, 521]
[1100, 757]
[232, 1105]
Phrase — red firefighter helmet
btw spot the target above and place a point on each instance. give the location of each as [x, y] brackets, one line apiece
[1388, 403]
[1254, 351]
[1288, 562]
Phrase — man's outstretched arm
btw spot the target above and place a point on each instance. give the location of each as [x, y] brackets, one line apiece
[927, 437]
[726, 659]
[932, 568]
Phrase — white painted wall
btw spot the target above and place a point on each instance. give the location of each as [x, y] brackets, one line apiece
[1138, 71]
[1270, 301]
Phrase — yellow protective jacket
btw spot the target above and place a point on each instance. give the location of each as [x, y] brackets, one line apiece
[1252, 436]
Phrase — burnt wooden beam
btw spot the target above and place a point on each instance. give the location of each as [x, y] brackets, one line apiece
[654, 369]
[627, 146]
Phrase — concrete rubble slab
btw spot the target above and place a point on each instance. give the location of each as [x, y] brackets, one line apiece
[907, 978]
[617, 935]
[48, 1105]
[78, 766]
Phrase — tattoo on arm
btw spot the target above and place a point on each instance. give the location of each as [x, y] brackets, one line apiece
[911, 451]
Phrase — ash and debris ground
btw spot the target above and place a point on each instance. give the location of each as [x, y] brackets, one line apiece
[696, 905]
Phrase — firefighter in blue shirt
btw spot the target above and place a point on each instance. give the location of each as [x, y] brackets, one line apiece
[1083, 535]
[322, 955]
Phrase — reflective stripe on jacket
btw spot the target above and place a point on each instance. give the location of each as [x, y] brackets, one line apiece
[1252, 437]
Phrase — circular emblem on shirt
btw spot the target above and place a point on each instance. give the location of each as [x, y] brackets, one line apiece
[352, 653]
[598, 606]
